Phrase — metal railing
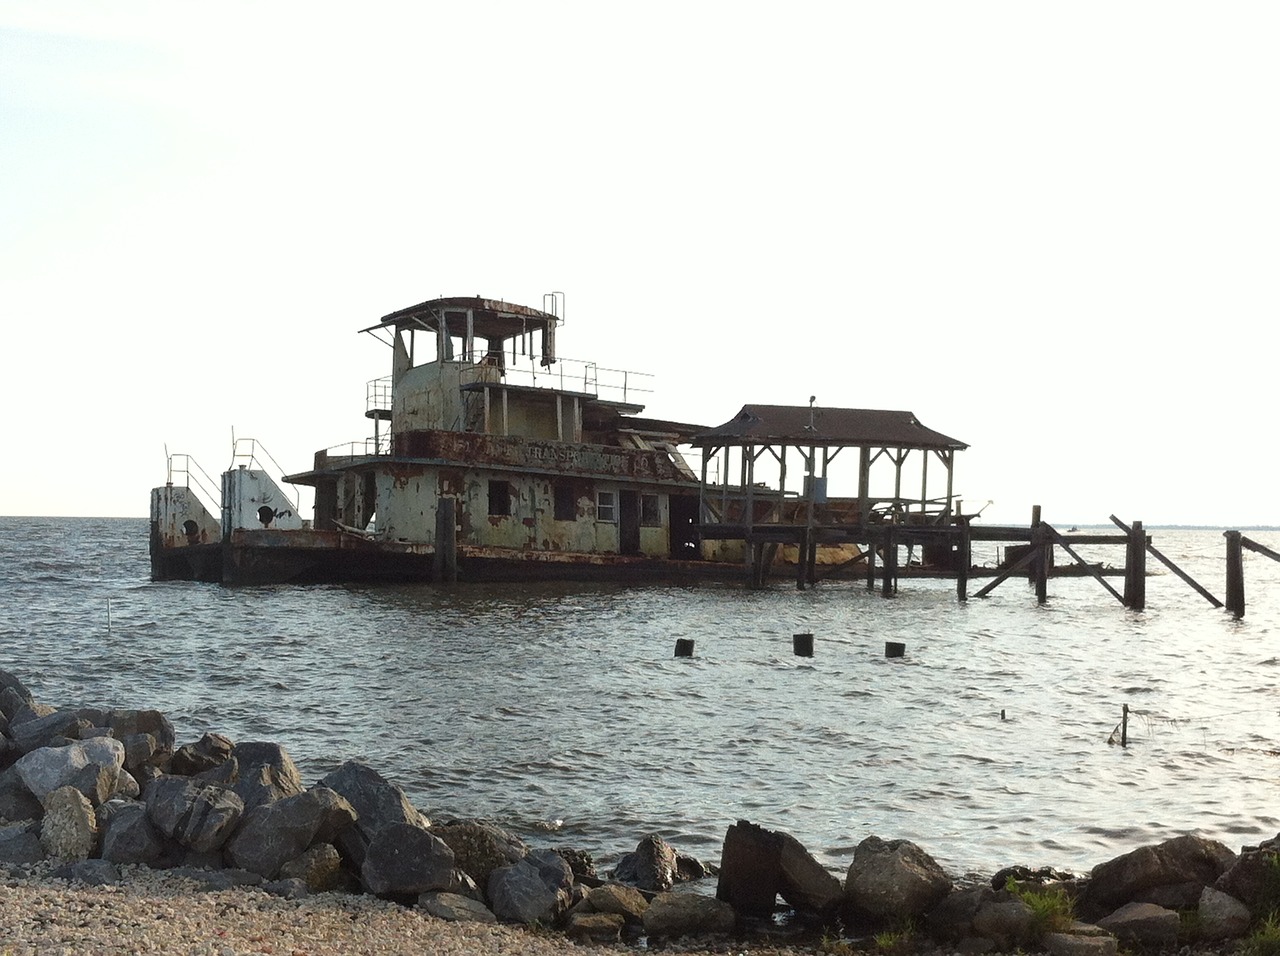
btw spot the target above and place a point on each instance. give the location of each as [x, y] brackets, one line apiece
[194, 478]
[245, 452]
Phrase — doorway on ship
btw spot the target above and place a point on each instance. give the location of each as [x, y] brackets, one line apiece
[683, 511]
[628, 522]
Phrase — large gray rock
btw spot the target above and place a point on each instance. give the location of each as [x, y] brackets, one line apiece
[13, 695]
[1249, 878]
[951, 920]
[1185, 859]
[319, 868]
[53, 729]
[894, 879]
[806, 883]
[200, 817]
[620, 899]
[455, 908]
[672, 915]
[17, 802]
[378, 804]
[128, 723]
[1144, 924]
[1005, 920]
[20, 843]
[91, 766]
[69, 828]
[1073, 943]
[480, 847]
[1222, 916]
[652, 866]
[128, 836]
[522, 892]
[404, 860]
[205, 754]
[267, 773]
[271, 834]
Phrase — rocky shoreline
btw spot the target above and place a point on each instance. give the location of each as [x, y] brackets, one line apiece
[111, 829]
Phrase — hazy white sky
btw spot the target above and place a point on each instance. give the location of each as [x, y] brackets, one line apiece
[1048, 229]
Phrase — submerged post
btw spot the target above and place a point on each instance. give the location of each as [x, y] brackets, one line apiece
[1235, 573]
[963, 558]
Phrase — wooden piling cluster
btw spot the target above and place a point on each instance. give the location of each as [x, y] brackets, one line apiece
[1030, 549]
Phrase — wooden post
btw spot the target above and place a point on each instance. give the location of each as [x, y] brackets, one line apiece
[890, 563]
[1235, 573]
[871, 562]
[1040, 566]
[964, 557]
[446, 556]
[802, 554]
[1124, 726]
[1136, 568]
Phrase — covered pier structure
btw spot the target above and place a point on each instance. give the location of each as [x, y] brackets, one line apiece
[768, 483]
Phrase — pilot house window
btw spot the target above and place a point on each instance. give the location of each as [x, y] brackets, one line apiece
[606, 506]
[499, 498]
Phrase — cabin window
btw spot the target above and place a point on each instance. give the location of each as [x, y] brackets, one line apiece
[566, 502]
[650, 513]
[499, 498]
[606, 506]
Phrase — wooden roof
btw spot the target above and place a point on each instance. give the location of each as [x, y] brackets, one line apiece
[803, 425]
[491, 318]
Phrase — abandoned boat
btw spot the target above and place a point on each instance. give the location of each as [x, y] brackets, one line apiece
[499, 461]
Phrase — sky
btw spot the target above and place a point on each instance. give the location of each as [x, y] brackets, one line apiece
[1047, 229]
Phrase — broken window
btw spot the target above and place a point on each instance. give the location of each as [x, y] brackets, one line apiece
[650, 513]
[606, 506]
[566, 502]
[499, 498]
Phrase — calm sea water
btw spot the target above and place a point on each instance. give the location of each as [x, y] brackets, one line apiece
[562, 712]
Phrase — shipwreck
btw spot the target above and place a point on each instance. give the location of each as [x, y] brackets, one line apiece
[493, 458]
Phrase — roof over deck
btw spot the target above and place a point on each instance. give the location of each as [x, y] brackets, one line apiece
[491, 318]
[803, 425]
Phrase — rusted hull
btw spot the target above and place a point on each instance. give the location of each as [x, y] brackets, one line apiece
[310, 557]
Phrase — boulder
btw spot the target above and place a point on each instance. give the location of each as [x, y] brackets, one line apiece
[652, 866]
[91, 766]
[620, 899]
[594, 927]
[17, 802]
[1185, 859]
[267, 773]
[195, 816]
[480, 847]
[1143, 924]
[526, 892]
[205, 754]
[1005, 920]
[406, 860]
[128, 836]
[1080, 944]
[52, 729]
[1251, 877]
[152, 723]
[455, 908]
[319, 867]
[951, 920]
[672, 915]
[894, 879]
[69, 828]
[13, 695]
[20, 843]
[1222, 916]
[378, 805]
[270, 834]
[806, 883]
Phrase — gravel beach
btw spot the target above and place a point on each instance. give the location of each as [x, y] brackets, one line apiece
[153, 912]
